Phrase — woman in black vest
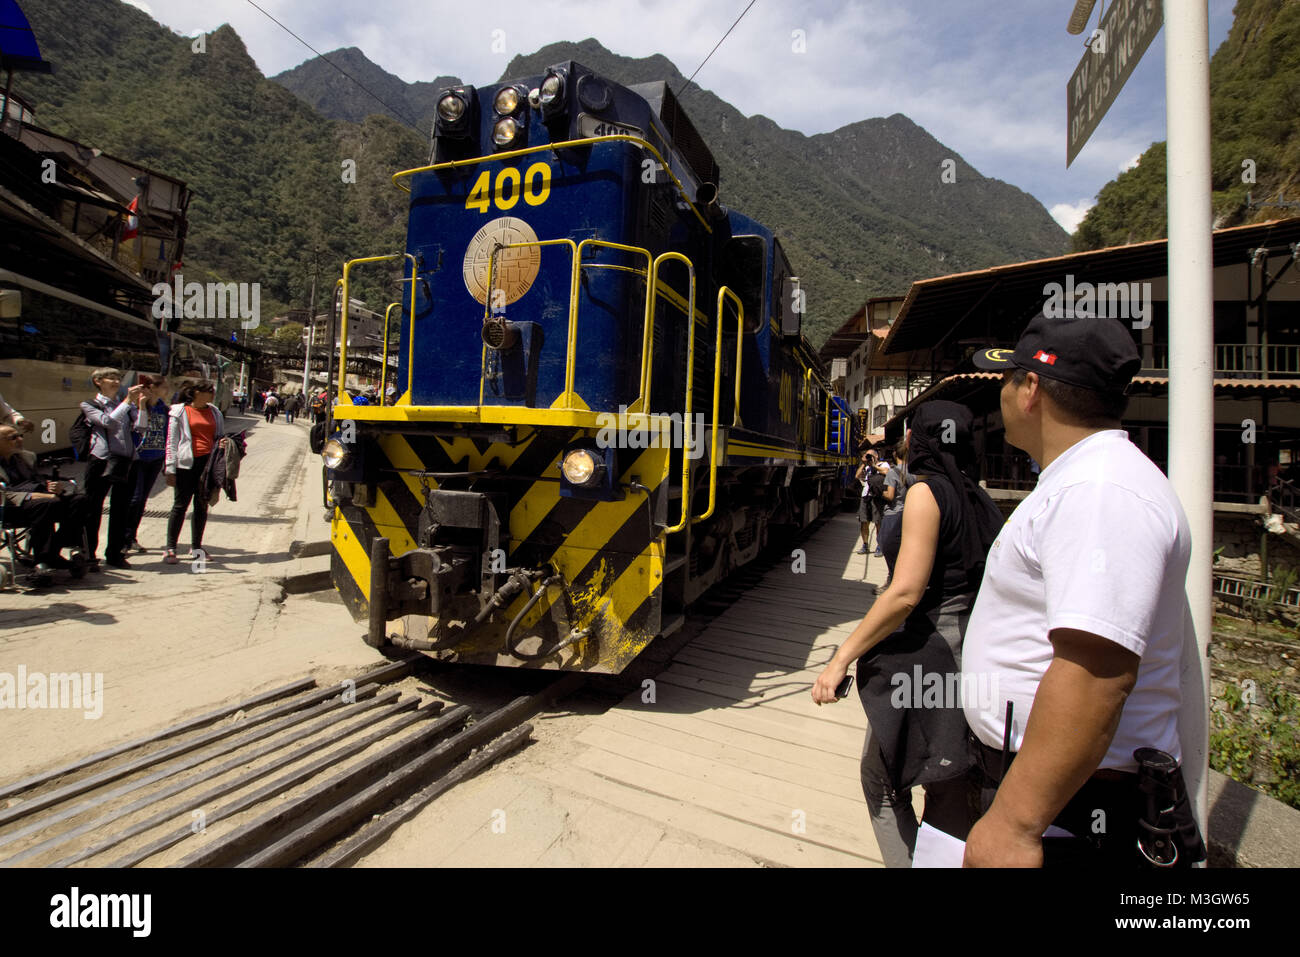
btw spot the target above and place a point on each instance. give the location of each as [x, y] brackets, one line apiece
[917, 731]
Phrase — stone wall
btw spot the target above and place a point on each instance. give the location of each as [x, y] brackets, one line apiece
[1238, 535]
[1247, 668]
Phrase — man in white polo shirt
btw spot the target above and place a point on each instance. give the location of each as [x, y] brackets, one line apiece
[1081, 618]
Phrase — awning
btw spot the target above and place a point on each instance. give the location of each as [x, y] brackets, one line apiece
[947, 307]
[18, 49]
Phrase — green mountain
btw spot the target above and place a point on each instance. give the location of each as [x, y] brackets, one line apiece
[267, 170]
[333, 87]
[862, 211]
[1255, 133]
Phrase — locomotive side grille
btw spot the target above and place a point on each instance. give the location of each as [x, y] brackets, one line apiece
[681, 131]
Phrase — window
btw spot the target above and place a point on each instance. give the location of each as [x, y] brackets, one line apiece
[879, 416]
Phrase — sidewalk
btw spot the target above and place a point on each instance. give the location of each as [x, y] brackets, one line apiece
[172, 640]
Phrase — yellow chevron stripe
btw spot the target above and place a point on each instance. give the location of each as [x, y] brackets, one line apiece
[402, 456]
[350, 549]
[529, 511]
[390, 525]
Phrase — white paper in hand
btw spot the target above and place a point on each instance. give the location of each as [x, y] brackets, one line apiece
[934, 848]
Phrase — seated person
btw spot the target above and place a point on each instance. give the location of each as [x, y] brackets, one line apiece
[35, 502]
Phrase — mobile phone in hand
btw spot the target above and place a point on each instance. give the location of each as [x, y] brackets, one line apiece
[842, 689]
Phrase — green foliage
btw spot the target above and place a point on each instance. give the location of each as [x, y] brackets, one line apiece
[1239, 735]
[1255, 116]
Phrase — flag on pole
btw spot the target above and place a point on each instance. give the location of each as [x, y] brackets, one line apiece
[132, 228]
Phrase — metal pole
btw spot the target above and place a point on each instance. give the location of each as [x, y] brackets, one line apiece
[311, 325]
[1191, 354]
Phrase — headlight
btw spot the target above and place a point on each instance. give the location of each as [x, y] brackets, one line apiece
[507, 100]
[504, 133]
[551, 93]
[580, 467]
[451, 108]
[335, 455]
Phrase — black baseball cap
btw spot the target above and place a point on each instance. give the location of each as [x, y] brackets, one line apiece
[1091, 353]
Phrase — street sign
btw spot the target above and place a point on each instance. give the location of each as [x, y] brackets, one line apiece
[1127, 29]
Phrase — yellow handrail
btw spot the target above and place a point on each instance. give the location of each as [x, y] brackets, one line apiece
[383, 370]
[723, 293]
[643, 400]
[805, 424]
[343, 345]
[690, 379]
[570, 355]
[553, 147]
[826, 443]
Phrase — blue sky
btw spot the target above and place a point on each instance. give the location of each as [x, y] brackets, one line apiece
[986, 79]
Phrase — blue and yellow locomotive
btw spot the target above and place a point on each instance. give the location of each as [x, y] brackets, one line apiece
[606, 403]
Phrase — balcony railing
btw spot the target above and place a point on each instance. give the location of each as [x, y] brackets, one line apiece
[1232, 483]
[1235, 360]
[1009, 471]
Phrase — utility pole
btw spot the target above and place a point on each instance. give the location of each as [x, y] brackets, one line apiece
[311, 323]
[1191, 355]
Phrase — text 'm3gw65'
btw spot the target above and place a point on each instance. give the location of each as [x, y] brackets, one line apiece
[604, 401]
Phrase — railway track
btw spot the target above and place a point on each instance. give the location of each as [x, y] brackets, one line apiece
[299, 774]
[303, 774]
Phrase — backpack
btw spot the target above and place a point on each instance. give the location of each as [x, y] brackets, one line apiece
[80, 434]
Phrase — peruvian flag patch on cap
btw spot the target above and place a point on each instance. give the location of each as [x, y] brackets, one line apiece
[1047, 357]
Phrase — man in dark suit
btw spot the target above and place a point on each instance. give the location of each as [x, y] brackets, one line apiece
[38, 503]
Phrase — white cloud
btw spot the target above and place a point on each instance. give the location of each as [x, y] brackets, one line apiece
[1131, 164]
[140, 5]
[1070, 215]
[988, 83]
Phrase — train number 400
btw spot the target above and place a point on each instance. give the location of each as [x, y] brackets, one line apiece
[534, 186]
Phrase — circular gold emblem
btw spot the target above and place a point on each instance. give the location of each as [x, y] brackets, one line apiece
[513, 271]
[1000, 355]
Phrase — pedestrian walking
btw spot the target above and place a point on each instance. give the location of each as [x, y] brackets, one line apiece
[911, 640]
[871, 473]
[272, 406]
[1082, 619]
[111, 469]
[193, 430]
[150, 416]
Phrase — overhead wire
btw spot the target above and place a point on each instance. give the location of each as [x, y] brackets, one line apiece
[686, 85]
[400, 115]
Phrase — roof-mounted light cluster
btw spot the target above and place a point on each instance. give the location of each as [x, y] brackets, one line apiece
[455, 117]
[510, 120]
[551, 97]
